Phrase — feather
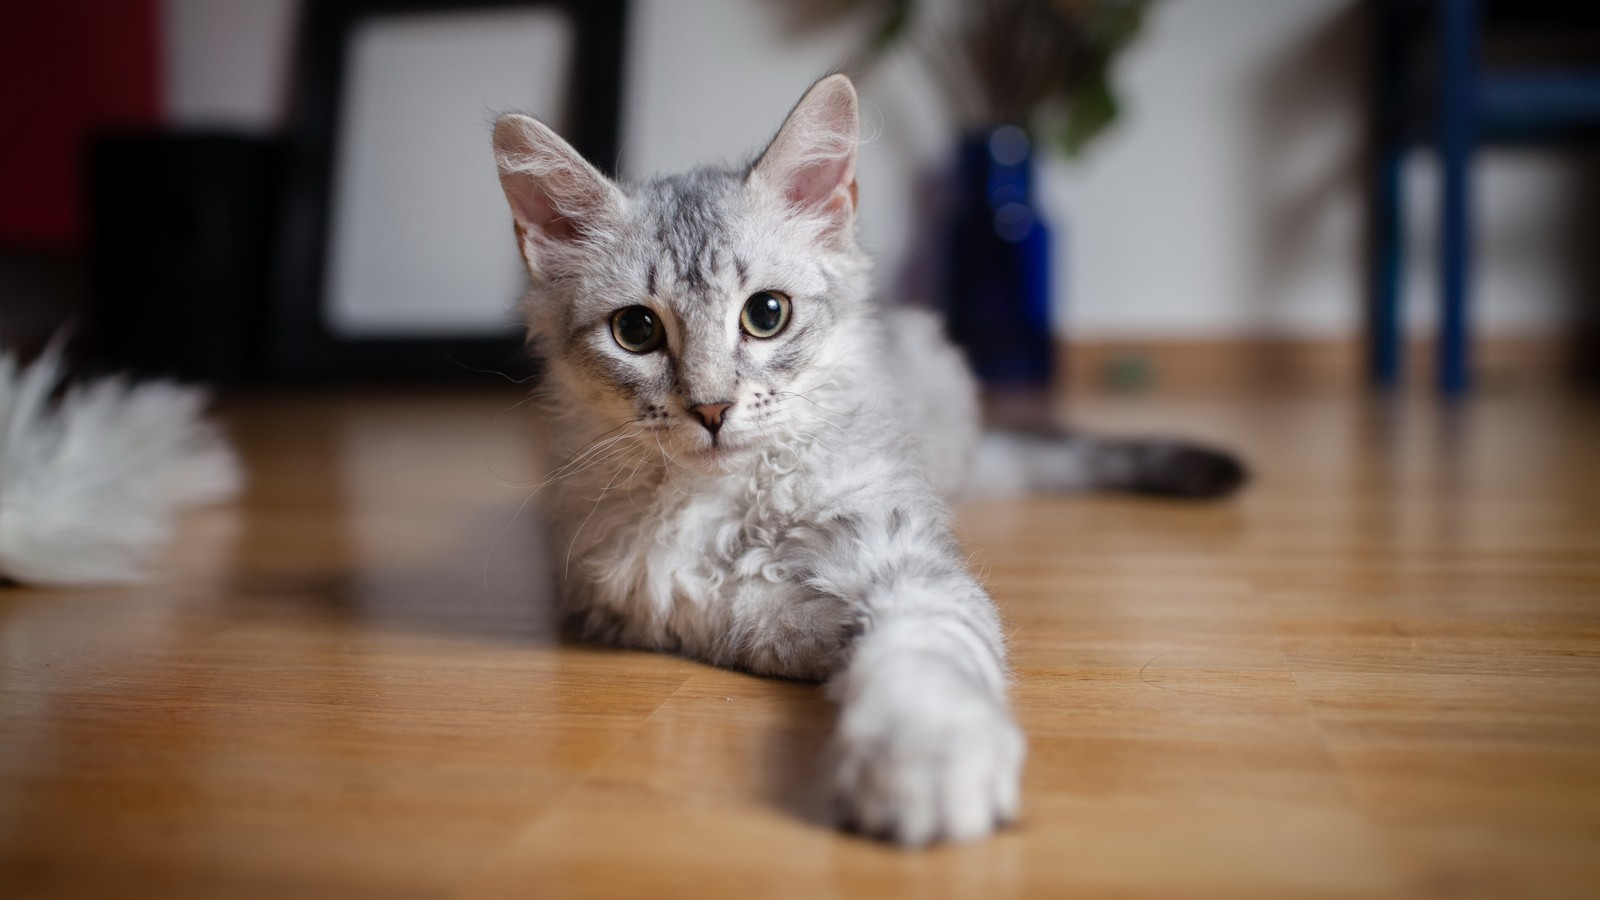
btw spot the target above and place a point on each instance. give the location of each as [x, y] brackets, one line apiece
[93, 475]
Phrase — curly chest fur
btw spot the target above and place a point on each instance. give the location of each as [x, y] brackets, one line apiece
[715, 567]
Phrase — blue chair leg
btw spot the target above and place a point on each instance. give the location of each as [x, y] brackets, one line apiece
[1388, 345]
[1391, 103]
[1457, 124]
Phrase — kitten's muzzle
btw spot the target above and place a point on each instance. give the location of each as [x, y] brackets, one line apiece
[711, 414]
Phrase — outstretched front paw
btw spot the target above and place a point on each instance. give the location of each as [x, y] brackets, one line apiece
[925, 763]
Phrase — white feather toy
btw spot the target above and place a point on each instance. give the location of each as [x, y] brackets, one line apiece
[93, 475]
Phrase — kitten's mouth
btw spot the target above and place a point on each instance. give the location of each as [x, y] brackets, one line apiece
[719, 452]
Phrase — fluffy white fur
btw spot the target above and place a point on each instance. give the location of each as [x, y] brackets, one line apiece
[93, 475]
[808, 537]
[800, 530]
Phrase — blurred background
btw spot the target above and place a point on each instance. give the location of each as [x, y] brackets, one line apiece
[262, 190]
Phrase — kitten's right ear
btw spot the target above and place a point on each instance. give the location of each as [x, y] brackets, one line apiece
[556, 197]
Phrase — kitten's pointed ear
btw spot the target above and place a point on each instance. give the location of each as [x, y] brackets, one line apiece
[811, 163]
[556, 197]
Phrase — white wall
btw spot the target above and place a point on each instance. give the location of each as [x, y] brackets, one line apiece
[417, 238]
[1230, 198]
[227, 61]
[1227, 201]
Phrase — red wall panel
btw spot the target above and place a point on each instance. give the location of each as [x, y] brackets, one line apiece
[67, 67]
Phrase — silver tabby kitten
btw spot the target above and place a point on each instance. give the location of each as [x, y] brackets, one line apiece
[749, 457]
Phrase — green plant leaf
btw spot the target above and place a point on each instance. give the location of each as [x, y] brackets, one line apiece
[1093, 109]
[895, 19]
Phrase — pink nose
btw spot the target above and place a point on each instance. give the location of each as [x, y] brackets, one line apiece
[710, 414]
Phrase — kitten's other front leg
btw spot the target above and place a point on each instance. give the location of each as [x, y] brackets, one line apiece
[926, 747]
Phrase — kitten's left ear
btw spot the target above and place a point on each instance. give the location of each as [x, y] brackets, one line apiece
[811, 163]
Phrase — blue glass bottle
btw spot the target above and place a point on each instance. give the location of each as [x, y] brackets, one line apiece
[997, 269]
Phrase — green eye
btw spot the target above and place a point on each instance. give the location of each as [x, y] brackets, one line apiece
[636, 329]
[765, 314]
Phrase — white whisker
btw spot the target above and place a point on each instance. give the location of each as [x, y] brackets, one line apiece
[594, 455]
[801, 395]
[675, 464]
[566, 568]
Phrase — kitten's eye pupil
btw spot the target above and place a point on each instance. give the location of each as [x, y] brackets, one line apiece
[636, 329]
[765, 314]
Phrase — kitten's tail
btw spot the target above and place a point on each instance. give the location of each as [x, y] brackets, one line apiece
[1012, 461]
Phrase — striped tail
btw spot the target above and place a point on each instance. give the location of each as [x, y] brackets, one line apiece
[1013, 461]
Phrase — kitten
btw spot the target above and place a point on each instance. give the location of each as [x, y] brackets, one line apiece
[749, 457]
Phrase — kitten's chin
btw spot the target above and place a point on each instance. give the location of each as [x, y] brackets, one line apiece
[716, 459]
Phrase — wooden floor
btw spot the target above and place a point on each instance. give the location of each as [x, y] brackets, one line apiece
[1375, 674]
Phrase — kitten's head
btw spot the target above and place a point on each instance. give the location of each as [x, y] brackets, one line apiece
[695, 306]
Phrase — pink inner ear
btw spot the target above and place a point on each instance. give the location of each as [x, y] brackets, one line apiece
[554, 195]
[815, 185]
[531, 204]
[812, 159]
[561, 228]
[842, 204]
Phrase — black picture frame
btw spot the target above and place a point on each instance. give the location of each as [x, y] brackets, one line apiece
[301, 346]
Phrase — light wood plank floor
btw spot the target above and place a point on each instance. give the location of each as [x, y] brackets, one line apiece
[1375, 674]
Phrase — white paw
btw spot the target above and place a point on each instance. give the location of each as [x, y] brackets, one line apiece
[927, 761]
